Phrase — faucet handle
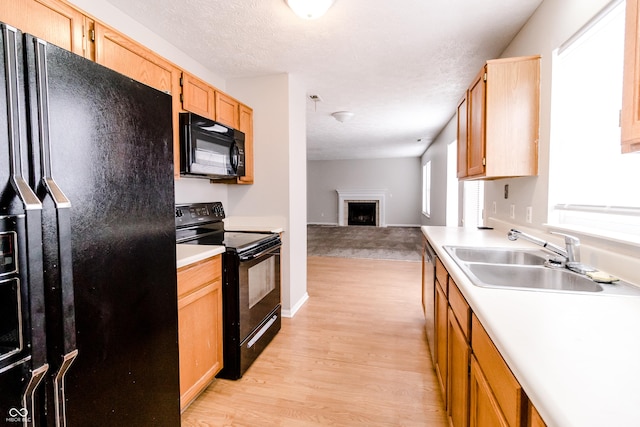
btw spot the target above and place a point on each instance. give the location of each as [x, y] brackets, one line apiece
[572, 244]
[568, 238]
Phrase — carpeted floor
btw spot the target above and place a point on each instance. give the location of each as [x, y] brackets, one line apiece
[394, 243]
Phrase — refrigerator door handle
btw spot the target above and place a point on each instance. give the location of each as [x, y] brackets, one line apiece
[63, 219]
[28, 400]
[59, 397]
[25, 193]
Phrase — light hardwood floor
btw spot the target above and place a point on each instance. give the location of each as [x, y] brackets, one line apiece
[354, 355]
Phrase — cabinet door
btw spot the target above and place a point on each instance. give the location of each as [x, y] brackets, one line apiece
[119, 53]
[476, 130]
[441, 307]
[457, 373]
[246, 126]
[484, 411]
[462, 137]
[227, 110]
[115, 51]
[534, 419]
[507, 391]
[200, 339]
[631, 84]
[197, 96]
[50, 20]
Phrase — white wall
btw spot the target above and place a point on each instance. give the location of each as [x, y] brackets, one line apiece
[437, 153]
[279, 190]
[400, 178]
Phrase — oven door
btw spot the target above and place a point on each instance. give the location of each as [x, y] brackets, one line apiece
[259, 289]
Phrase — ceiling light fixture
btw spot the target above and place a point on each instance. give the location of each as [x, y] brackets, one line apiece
[310, 9]
[342, 116]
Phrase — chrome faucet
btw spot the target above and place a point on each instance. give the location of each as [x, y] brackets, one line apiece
[570, 255]
[514, 235]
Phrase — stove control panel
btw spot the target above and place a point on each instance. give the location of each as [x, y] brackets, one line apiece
[195, 213]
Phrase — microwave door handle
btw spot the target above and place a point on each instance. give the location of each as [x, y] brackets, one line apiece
[63, 224]
[235, 156]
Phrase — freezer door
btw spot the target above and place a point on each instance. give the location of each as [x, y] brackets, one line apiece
[24, 364]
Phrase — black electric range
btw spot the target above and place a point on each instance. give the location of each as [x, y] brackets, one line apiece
[250, 282]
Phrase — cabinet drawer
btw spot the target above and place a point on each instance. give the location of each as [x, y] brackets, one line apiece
[196, 275]
[442, 276]
[504, 385]
[460, 308]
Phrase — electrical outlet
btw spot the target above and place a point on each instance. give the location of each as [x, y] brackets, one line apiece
[512, 211]
[529, 215]
[494, 208]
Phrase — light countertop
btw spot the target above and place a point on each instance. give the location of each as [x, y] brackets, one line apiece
[188, 254]
[576, 356]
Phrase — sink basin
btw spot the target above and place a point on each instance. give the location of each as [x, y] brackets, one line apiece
[498, 255]
[542, 278]
[522, 269]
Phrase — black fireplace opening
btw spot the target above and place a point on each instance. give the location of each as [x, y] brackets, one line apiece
[361, 213]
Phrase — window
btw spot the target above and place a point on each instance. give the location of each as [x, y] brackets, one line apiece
[472, 203]
[426, 189]
[592, 186]
[452, 184]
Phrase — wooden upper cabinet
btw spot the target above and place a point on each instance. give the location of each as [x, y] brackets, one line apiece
[503, 108]
[227, 110]
[630, 117]
[197, 96]
[246, 126]
[119, 53]
[477, 115]
[50, 20]
[463, 125]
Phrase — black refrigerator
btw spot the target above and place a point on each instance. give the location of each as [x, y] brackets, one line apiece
[88, 304]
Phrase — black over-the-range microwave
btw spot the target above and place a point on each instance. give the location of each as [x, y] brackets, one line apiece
[209, 149]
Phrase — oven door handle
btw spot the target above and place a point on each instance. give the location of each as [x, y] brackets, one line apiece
[267, 251]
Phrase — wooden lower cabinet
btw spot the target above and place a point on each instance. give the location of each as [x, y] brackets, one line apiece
[478, 387]
[440, 315]
[199, 326]
[458, 356]
[505, 387]
[484, 410]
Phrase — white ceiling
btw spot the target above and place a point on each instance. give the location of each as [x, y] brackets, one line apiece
[400, 66]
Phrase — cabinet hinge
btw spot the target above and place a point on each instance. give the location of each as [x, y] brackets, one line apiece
[92, 35]
[484, 78]
[484, 161]
[181, 98]
[181, 81]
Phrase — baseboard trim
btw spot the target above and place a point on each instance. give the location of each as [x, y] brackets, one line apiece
[292, 312]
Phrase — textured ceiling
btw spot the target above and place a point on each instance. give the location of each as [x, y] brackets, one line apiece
[399, 66]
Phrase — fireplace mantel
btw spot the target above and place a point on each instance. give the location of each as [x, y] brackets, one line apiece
[345, 196]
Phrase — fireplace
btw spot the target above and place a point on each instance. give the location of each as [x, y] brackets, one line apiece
[367, 204]
[362, 213]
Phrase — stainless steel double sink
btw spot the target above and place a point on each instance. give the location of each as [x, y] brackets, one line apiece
[525, 269]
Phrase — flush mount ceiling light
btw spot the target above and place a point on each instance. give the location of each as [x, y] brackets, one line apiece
[342, 116]
[309, 9]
